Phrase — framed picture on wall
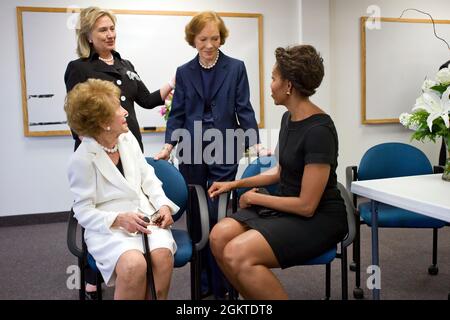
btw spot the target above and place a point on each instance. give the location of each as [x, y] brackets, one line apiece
[396, 57]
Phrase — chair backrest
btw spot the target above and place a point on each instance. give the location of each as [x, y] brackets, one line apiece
[394, 159]
[72, 236]
[173, 183]
[256, 167]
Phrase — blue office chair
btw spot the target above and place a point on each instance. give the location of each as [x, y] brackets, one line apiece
[389, 160]
[175, 188]
[264, 163]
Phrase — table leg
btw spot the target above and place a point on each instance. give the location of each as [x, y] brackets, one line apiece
[375, 254]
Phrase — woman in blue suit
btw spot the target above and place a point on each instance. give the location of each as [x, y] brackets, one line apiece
[211, 116]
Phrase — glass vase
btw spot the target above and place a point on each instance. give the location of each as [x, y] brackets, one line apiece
[446, 174]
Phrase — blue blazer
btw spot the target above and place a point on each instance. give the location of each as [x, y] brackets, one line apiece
[230, 99]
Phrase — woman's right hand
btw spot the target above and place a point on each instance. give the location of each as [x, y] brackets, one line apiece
[219, 187]
[132, 222]
[164, 154]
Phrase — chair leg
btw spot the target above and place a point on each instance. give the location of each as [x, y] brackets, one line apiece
[195, 276]
[344, 278]
[99, 286]
[327, 281]
[193, 281]
[356, 243]
[433, 269]
[358, 293]
[82, 262]
[82, 291]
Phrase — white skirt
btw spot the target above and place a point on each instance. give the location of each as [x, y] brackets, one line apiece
[107, 248]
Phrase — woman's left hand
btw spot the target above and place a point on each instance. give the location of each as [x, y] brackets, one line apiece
[245, 199]
[166, 217]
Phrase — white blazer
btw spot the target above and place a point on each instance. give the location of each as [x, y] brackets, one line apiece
[102, 192]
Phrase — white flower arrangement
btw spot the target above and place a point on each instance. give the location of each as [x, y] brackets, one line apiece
[430, 115]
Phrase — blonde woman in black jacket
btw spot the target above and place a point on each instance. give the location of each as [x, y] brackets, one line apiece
[98, 59]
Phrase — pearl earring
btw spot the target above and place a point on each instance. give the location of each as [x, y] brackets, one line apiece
[108, 128]
[288, 93]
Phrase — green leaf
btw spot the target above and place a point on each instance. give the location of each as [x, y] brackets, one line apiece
[440, 88]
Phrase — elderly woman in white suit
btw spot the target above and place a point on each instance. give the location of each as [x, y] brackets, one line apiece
[114, 189]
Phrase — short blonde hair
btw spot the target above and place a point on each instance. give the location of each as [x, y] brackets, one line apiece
[88, 17]
[199, 21]
[89, 105]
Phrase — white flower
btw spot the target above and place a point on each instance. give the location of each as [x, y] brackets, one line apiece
[405, 120]
[428, 84]
[435, 106]
[443, 76]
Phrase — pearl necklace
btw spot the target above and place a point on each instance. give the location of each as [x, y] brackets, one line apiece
[211, 65]
[112, 150]
[106, 60]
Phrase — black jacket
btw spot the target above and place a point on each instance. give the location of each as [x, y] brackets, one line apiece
[123, 74]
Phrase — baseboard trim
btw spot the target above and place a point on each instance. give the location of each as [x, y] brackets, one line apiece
[29, 219]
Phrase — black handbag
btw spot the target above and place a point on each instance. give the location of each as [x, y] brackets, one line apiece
[264, 211]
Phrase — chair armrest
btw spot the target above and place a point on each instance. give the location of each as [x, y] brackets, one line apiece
[204, 216]
[351, 213]
[72, 236]
[350, 176]
[438, 169]
[222, 206]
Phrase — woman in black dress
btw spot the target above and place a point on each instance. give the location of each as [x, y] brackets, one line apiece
[307, 216]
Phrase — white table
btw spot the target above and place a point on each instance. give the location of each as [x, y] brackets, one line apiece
[426, 194]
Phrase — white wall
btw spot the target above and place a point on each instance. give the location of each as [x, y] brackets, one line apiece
[316, 32]
[33, 169]
[345, 80]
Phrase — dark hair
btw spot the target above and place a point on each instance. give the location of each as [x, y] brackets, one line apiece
[199, 21]
[302, 65]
